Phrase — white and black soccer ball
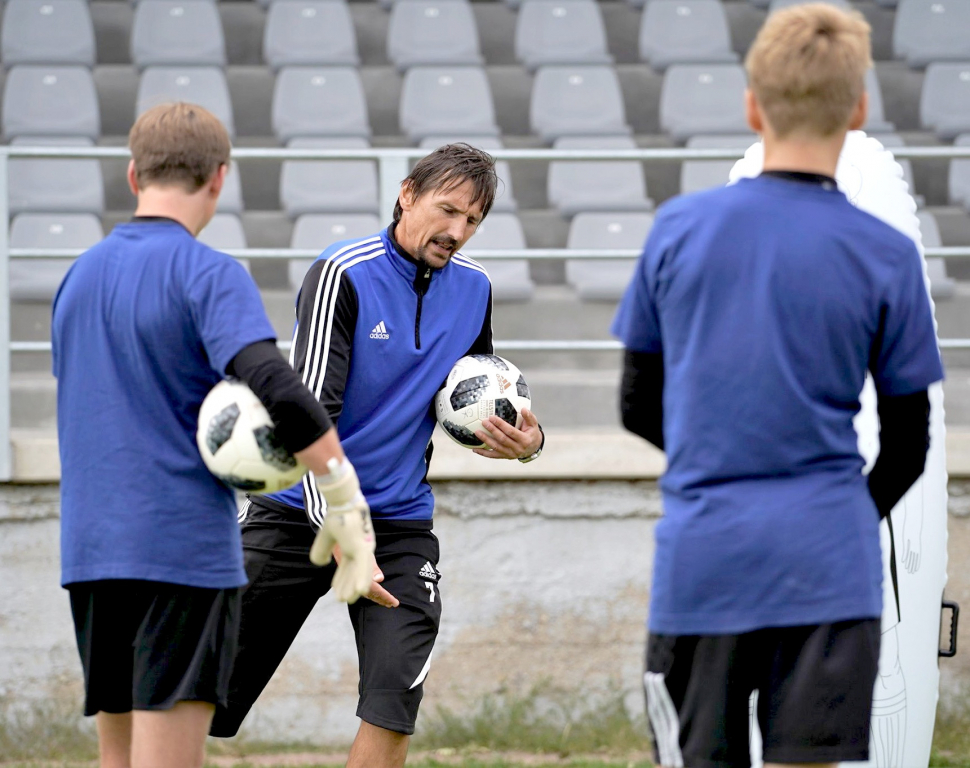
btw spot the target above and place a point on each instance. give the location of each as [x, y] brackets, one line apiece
[238, 444]
[480, 386]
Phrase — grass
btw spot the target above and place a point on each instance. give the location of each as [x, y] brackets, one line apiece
[544, 729]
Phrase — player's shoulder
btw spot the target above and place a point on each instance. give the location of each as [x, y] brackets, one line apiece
[354, 251]
[469, 269]
[684, 209]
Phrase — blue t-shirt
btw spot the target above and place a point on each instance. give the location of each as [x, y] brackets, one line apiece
[144, 326]
[769, 299]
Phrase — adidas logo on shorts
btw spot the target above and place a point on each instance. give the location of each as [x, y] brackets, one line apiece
[428, 572]
[380, 331]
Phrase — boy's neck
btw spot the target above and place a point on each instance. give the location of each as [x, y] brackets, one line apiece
[808, 155]
[189, 210]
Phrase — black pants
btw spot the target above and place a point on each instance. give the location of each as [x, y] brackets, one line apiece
[393, 644]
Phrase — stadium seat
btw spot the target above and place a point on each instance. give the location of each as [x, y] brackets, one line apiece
[550, 32]
[932, 30]
[887, 3]
[775, 5]
[696, 175]
[47, 32]
[891, 141]
[510, 278]
[225, 231]
[205, 86]
[318, 231]
[39, 279]
[597, 185]
[577, 101]
[959, 181]
[309, 33]
[55, 186]
[876, 120]
[942, 287]
[50, 101]
[945, 102]
[505, 201]
[319, 101]
[328, 186]
[605, 279]
[172, 33]
[441, 101]
[685, 32]
[432, 33]
[231, 199]
[703, 99]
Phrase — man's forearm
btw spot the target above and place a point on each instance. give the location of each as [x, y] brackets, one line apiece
[904, 439]
[641, 395]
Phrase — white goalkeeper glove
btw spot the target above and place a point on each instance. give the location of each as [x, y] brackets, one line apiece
[348, 525]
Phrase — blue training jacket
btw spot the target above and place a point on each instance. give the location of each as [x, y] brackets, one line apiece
[376, 335]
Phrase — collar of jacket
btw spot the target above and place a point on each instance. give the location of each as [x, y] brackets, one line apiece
[418, 274]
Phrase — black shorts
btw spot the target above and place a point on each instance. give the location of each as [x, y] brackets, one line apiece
[150, 645]
[814, 688]
[393, 644]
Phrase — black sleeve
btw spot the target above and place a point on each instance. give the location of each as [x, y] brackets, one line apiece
[483, 344]
[641, 395]
[326, 318]
[904, 439]
[300, 420]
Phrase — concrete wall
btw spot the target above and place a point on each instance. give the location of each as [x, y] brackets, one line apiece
[543, 582]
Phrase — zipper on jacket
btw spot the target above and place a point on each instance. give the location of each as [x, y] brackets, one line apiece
[421, 283]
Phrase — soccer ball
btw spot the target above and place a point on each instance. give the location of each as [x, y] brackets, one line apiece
[237, 442]
[480, 386]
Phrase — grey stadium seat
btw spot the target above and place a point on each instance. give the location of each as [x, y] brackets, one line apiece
[597, 185]
[577, 101]
[432, 32]
[945, 102]
[231, 199]
[876, 120]
[505, 201]
[50, 101]
[205, 86]
[308, 33]
[47, 32]
[224, 232]
[696, 175]
[38, 279]
[319, 101]
[941, 286]
[52, 185]
[605, 280]
[701, 99]
[441, 101]
[560, 32]
[328, 186]
[775, 5]
[684, 32]
[177, 33]
[317, 231]
[932, 30]
[510, 278]
[959, 183]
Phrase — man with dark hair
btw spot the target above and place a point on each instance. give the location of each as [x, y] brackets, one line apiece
[381, 320]
[145, 324]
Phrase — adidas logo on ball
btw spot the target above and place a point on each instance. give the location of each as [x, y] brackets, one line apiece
[380, 331]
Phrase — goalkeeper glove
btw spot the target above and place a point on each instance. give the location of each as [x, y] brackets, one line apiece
[348, 525]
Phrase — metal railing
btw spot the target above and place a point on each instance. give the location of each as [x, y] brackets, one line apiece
[393, 166]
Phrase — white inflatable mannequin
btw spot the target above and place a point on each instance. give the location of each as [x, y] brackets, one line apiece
[906, 690]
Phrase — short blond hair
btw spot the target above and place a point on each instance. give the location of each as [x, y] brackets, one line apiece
[807, 68]
[178, 144]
